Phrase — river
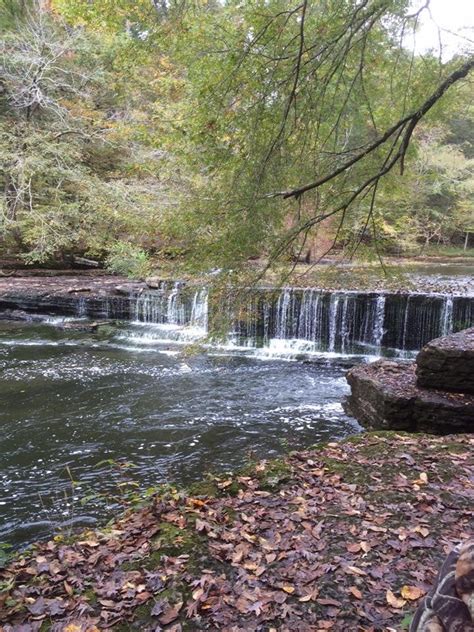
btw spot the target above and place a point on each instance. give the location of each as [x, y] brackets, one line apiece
[77, 405]
[69, 401]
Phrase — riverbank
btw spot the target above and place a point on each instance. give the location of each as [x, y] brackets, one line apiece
[346, 533]
[426, 274]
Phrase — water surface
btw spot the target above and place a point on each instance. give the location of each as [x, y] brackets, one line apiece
[69, 401]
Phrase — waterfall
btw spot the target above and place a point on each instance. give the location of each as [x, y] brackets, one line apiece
[306, 320]
[333, 308]
[378, 329]
[350, 322]
[447, 316]
[81, 307]
[283, 311]
[175, 307]
[344, 325]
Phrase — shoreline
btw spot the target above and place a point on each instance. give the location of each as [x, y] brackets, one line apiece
[318, 540]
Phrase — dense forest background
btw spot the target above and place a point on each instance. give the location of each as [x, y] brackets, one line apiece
[205, 134]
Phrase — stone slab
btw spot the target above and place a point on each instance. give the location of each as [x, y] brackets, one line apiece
[448, 363]
[385, 395]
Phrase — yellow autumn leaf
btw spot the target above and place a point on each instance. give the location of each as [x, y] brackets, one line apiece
[412, 593]
[288, 589]
[394, 601]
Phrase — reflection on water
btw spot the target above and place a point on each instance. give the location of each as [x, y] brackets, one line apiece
[71, 400]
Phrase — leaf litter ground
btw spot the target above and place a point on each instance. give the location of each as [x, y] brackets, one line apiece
[345, 536]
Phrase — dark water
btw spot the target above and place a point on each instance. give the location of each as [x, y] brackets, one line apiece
[69, 401]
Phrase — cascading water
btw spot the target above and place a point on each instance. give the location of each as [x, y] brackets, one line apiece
[379, 320]
[301, 321]
[81, 307]
[447, 316]
[350, 322]
[170, 314]
[200, 309]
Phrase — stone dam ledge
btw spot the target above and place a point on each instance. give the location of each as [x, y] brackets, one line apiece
[434, 394]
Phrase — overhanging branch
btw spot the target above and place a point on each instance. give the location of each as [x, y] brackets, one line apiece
[406, 125]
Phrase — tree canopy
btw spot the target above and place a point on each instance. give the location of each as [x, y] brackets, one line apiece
[217, 132]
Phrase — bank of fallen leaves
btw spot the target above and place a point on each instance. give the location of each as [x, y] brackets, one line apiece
[348, 536]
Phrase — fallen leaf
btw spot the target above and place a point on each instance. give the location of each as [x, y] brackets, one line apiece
[412, 593]
[354, 547]
[356, 592]
[305, 598]
[355, 571]
[422, 531]
[171, 614]
[394, 601]
[68, 588]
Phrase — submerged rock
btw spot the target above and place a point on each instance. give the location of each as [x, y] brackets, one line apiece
[82, 326]
[385, 395]
[448, 363]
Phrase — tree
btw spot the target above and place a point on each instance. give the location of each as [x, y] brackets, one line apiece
[301, 110]
[73, 177]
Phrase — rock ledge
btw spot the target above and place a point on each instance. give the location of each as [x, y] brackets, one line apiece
[448, 363]
[385, 395]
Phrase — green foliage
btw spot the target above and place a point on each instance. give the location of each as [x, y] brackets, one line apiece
[73, 178]
[5, 553]
[174, 127]
[128, 259]
[284, 95]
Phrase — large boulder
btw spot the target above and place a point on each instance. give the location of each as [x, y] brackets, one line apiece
[385, 395]
[447, 363]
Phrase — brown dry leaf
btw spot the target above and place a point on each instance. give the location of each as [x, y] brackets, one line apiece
[422, 480]
[225, 484]
[197, 594]
[394, 601]
[170, 614]
[68, 588]
[422, 531]
[412, 593]
[356, 592]
[305, 598]
[355, 547]
[197, 502]
[354, 570]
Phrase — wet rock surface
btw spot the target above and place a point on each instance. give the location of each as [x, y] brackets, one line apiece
[448, 363]
[92, 295]
[385, 395]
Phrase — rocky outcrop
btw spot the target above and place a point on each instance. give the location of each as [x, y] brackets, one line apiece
[385, 395]
[434, 394]
[448, 363]
[95, 296]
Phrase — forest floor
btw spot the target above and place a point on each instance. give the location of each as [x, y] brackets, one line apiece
[343, 536]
